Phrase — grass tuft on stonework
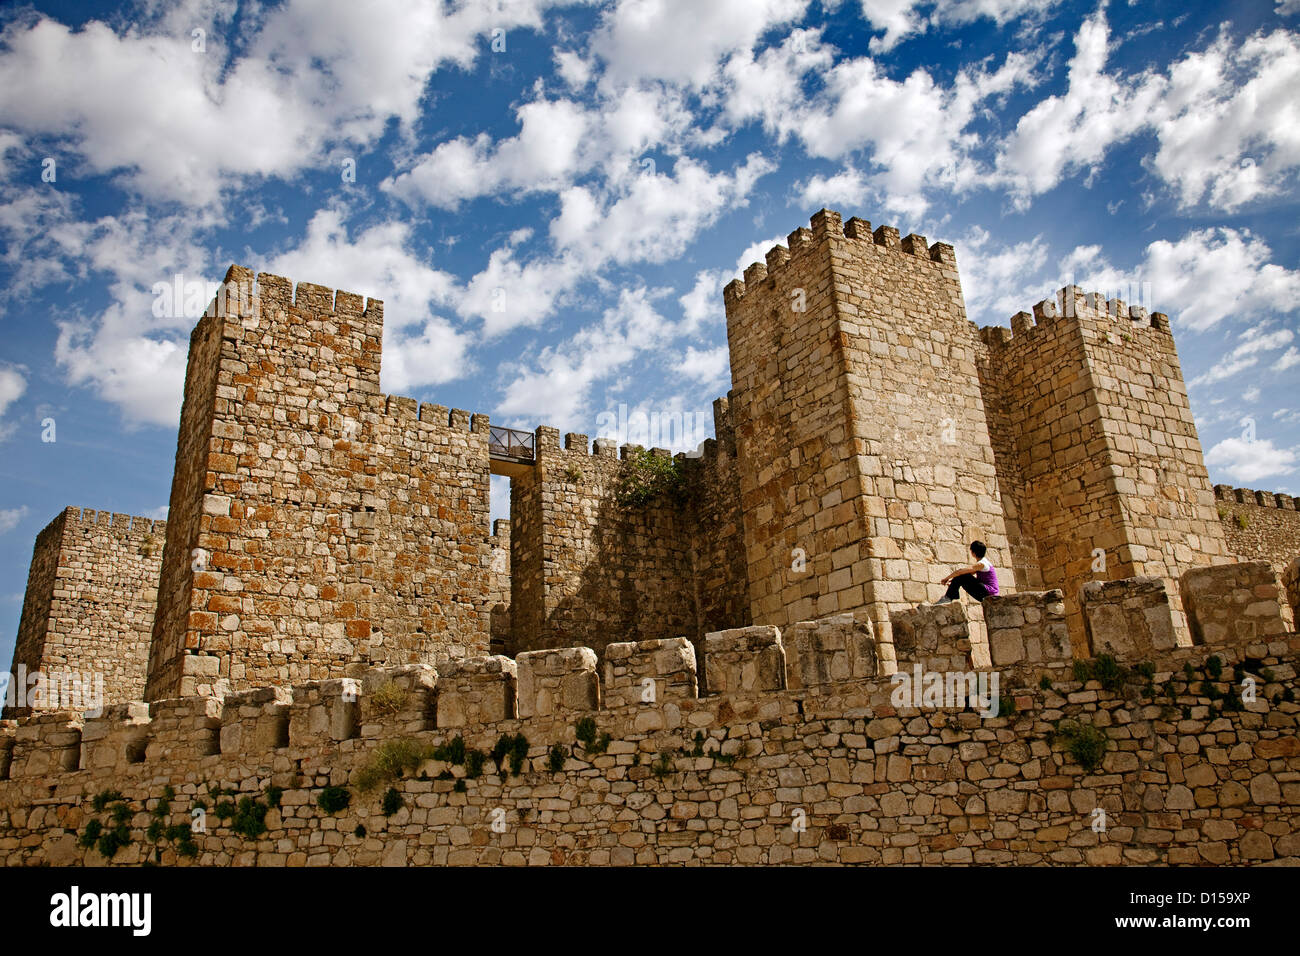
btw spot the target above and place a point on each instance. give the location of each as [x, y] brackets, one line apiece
[1085, 743]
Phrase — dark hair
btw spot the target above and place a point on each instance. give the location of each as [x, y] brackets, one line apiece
[977, 548]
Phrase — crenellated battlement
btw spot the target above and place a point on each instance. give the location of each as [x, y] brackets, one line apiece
[407, 412]
[548, 688]
[120, 525]
[577, 446]
[827, 226]
[796, 715]
[246, 295]
[1072, 308]
[1264, 499]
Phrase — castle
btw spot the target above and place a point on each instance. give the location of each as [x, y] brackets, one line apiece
[326, 539]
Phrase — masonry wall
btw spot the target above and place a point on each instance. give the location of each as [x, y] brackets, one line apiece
[90, 599]
[587, 570]
[715, 530]
[1001, 403]
[833, 774]
[34, 623]
[499, 589]
[1259, 525]
[172, 638]
[861, 433]
[1105, 449]
[320, 523]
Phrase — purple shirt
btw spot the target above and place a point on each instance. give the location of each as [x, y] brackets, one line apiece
[987, 576]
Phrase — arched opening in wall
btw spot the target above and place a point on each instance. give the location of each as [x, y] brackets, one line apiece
[499, 567]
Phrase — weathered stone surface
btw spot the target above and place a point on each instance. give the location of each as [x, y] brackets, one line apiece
[657, 670]
[1291, 582]
[1232, 603]
[837, 648]
[710, 780]
[398, 700]
[744, 660]
[1026, 628]
[939, 637]
[476, 690]
[184, 728]
[323, 713]
[88, 612]
[559, 681]
[117, 737]
[46, 743]
[1128, 618]
[256, 720]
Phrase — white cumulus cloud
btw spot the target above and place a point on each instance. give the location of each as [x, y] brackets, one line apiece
[10, 518]
[1248, 461]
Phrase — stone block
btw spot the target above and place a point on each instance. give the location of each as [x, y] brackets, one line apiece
[1026, 628]
[8, 732]
[184, 728]
[324, 712]
[744, 660]
[256, 721]
[632, 668]
[837, 648]
[1129, 618]
[1291, 584]
[1232, 603]
[46, 744]
[119, 736]
[557, 681]
[476, 690]
[936, 636]
[398, 700]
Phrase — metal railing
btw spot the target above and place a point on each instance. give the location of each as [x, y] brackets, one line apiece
[512, 443]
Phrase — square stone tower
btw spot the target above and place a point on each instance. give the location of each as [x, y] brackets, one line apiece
[864, 454]
[88, 612]
[1098, 454]
[315, 522]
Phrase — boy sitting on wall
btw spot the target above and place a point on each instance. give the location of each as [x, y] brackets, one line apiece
[979, 580]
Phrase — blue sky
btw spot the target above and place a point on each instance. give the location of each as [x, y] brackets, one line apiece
[549, 197]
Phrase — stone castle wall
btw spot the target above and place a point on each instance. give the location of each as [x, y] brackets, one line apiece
[590, 568]
[1259, 525]
[322, 523]
[90, 600]
[499, 589]
[865, 459]
[803, 760]
[1101, 450]
[717, 530]
[34, 623]
[585, 570]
